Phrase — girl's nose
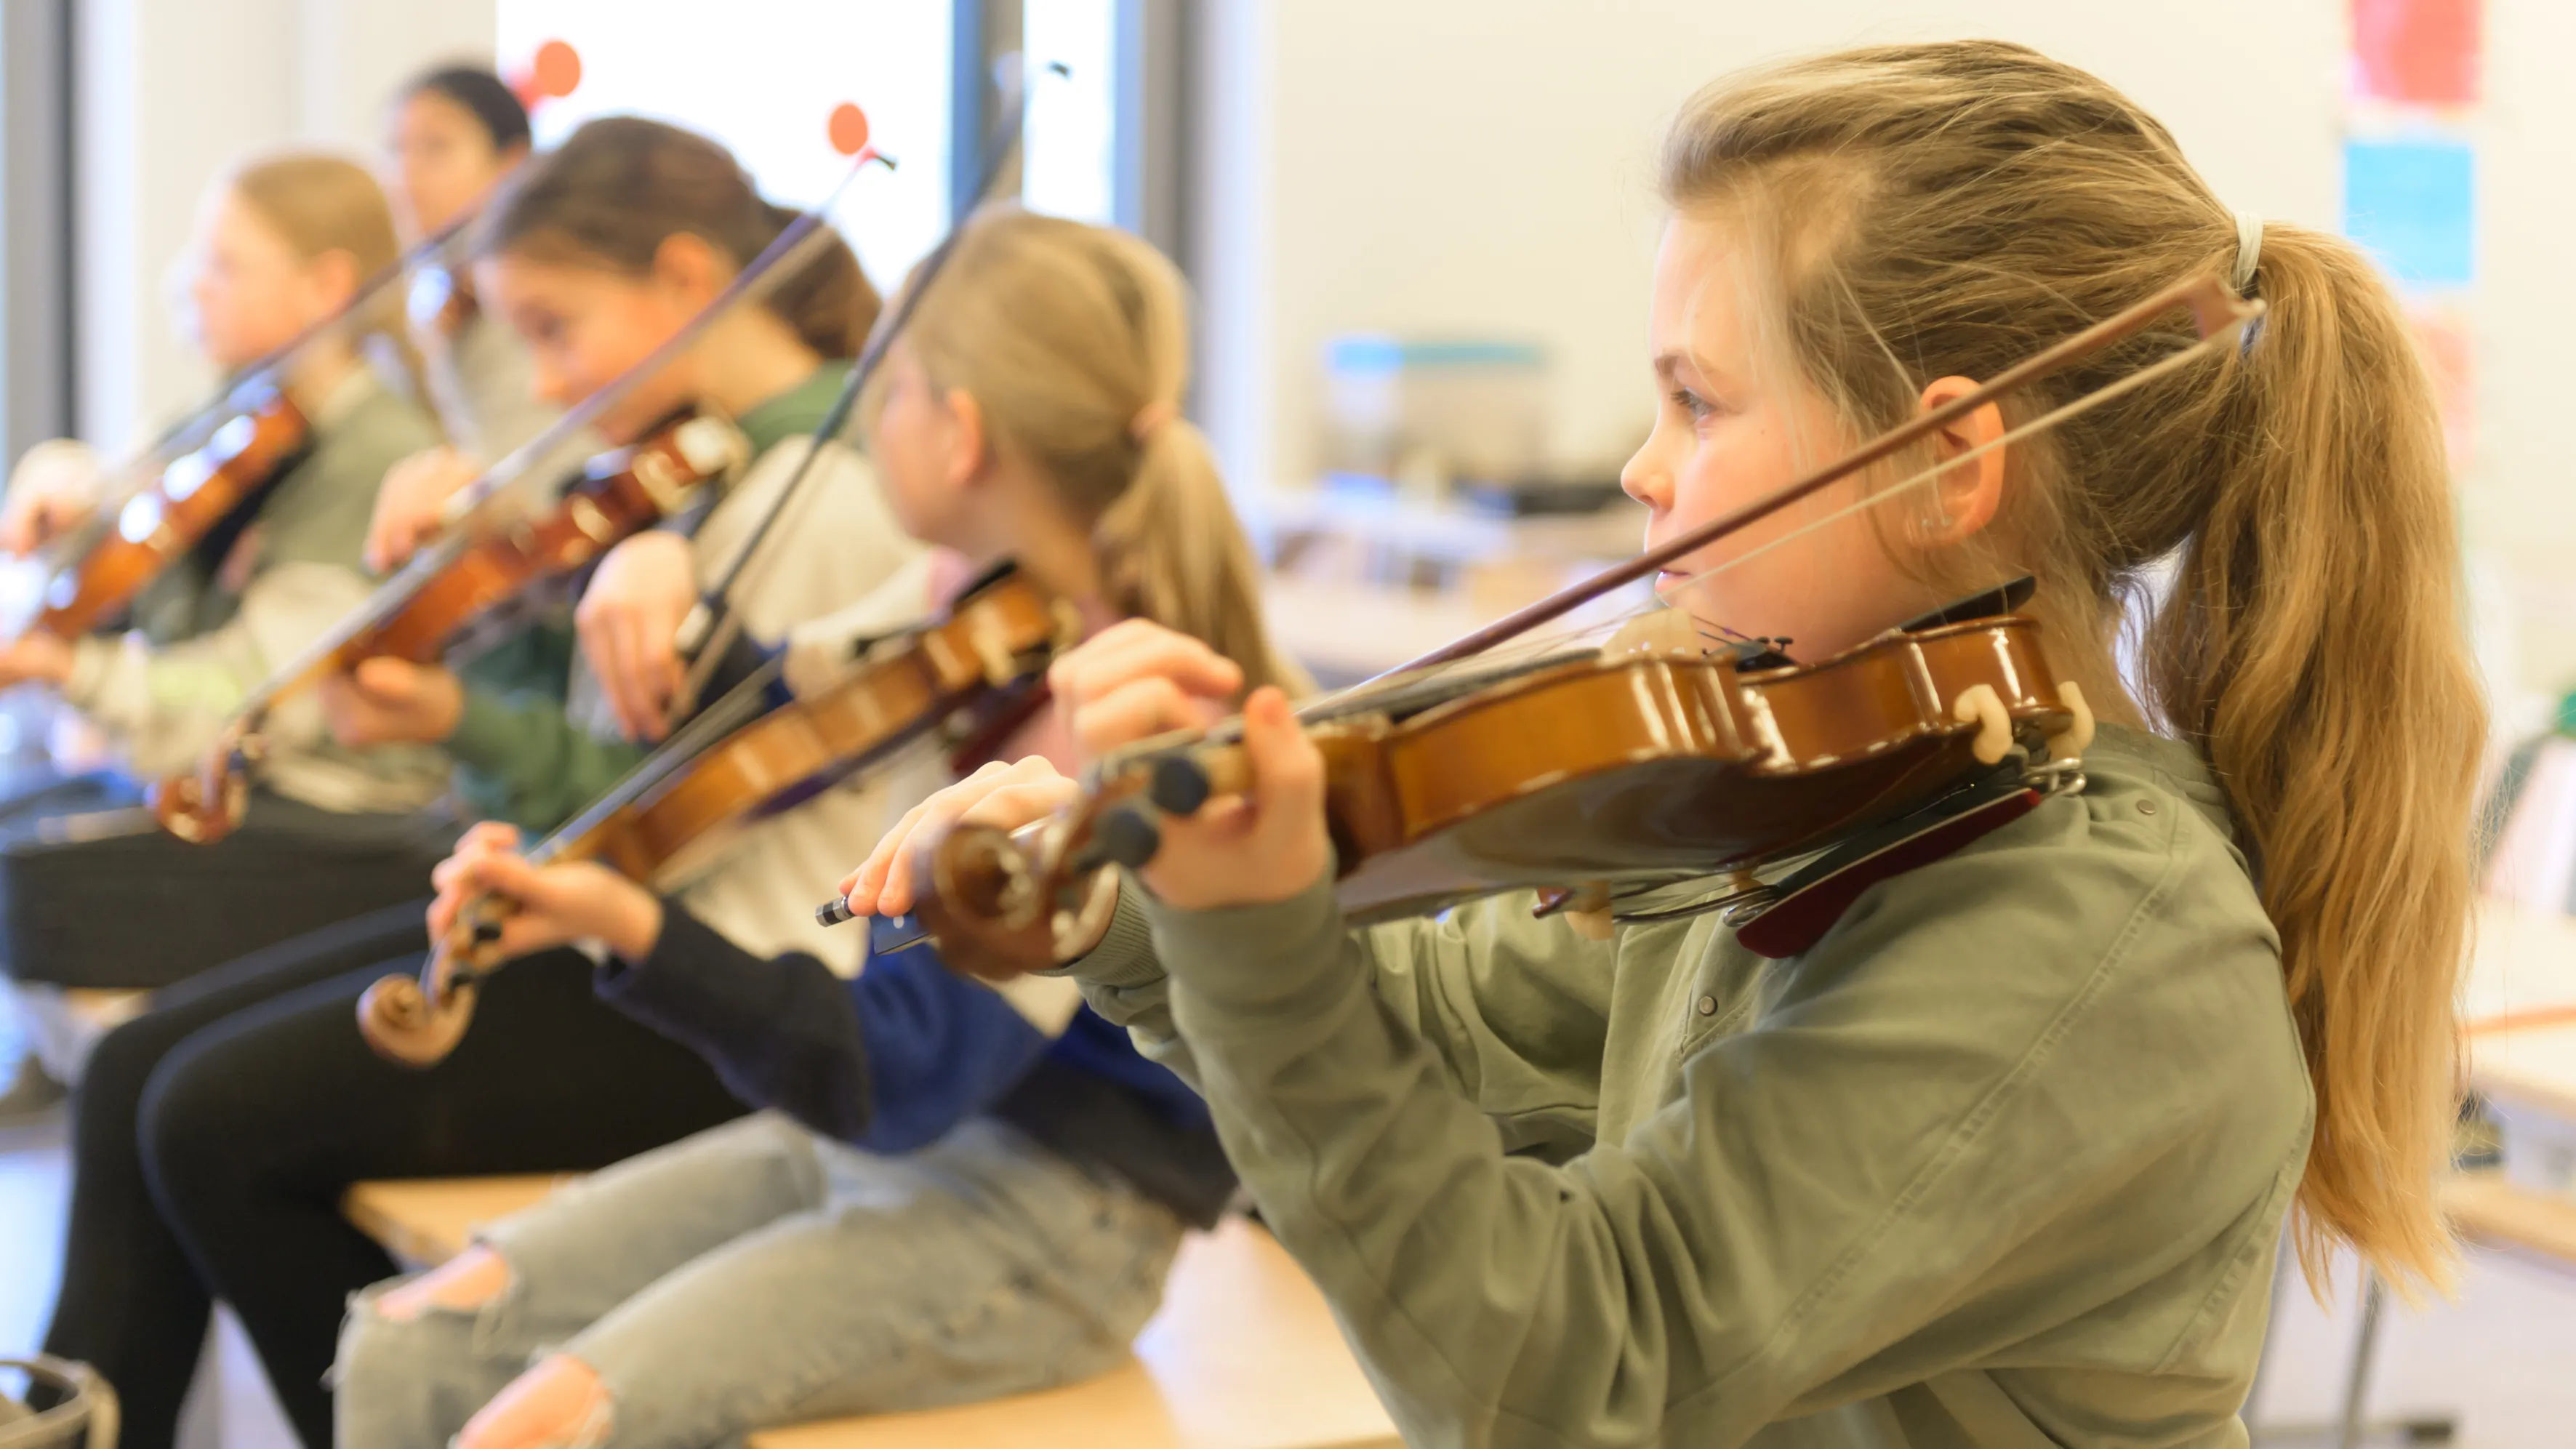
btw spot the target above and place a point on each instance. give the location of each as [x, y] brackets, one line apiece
[1646, 480]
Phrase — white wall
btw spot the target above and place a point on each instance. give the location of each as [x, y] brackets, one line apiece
[1485, 166]
[171, 92]
[2521, 488]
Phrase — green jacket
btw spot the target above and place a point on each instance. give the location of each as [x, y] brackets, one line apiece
[2001, 1161]
[520, 755]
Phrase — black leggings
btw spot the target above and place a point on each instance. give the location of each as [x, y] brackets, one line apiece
[214, 1136]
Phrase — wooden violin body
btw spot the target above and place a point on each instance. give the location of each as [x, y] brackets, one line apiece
[1643, 765]
[991, 640]
[619, 494]
[158, 525]
[418, 614]
[660, 826]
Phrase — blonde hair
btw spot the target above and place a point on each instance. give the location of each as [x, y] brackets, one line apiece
[1074, 340]
[322, 204]
[1959, 205]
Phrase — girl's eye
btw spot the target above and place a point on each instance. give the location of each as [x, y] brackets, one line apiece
[1692, 403]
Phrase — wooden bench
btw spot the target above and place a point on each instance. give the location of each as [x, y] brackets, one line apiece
[1244, 1354]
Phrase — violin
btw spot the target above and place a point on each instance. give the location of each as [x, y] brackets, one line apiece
[724, 772]
[1649, 761]
[109, 561]
[1602, 778]
[470, 567]
[457, 581]
[231, 450]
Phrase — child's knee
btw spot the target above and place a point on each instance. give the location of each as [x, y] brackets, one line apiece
[463, 1284]
[396, 1375]
[560, 1404]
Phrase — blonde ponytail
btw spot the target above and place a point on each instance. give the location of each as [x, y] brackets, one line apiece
[1955, 206]
[1074, 340]
[1172, 552]
[2313, 644]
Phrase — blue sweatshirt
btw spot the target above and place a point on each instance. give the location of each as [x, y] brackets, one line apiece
[897, 1057]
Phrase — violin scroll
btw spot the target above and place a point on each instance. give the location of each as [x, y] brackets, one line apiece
[413, 1025]
[996, 908]
[204, 805]
[417, 1022]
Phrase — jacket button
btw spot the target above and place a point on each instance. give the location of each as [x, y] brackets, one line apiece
[1708, 1006]
[2146, 807]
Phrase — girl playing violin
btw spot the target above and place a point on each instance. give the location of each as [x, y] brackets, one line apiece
[217, 1132]
[94, 895]
[1020, 1177]
[454, 135]
[2003, 1157]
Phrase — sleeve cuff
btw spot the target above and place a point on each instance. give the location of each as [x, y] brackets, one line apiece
[683, 973]
[1125, 956]
[1253, 957]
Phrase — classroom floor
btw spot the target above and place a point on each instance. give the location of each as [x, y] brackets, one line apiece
[2496, 1357]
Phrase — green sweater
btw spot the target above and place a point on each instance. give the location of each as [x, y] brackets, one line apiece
[520, 756]
[2001, 1161]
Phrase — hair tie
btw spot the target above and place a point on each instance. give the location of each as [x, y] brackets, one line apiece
[1149, 420]
[2249, 250]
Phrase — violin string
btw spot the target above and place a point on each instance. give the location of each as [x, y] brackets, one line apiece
[736, 707]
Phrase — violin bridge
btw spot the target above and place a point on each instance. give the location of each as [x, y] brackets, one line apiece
[993, 653]
[1068, 624]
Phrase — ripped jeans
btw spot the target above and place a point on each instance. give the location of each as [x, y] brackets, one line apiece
[756, 1275]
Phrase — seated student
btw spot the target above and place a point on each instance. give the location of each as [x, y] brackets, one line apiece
[454, 136]
[1021, 1178]
[92, 892]
[2003, 1157]
[216, 1133]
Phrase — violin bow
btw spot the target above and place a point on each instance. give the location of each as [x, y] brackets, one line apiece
[714, 624]
[2217, 313]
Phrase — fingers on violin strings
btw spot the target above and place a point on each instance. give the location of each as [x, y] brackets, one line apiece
[1136, 710]
[1287, 770]
[384, 678]
[1015, 805]
[1133, 650]
[869, 881]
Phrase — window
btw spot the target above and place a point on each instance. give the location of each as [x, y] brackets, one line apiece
[764, 82]
[1070, 164]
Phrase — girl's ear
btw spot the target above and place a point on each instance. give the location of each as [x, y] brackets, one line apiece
[686, 267]
[969, 445]
[1963, 499]
[331, 279]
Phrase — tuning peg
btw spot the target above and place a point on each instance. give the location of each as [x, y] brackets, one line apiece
[1121, 836]
[1179, 785]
